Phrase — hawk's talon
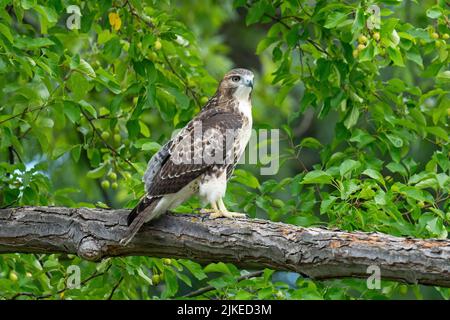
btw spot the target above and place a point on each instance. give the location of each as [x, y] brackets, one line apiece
[206, 211]
[223, 211]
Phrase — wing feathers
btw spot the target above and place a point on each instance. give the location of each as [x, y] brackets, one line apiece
[176, 173]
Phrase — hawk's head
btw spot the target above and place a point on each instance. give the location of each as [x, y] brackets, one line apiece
[238, 83]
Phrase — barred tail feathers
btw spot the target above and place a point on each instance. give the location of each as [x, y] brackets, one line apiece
[144, 203]
[142, 213]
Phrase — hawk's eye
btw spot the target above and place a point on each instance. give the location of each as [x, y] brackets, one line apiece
[236, 78]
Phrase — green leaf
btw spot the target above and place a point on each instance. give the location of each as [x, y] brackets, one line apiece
[47, 17]
[45, 123]
[112, 49]
[108, 80]
[427, 183]
[413, 193]
[361, 137]
[348, 166]
[438, 132]
[380, 198]
[293, 36]
[307, 99]
[171, 284]
[26, 43]
[326, 204]
[133, 128]
[79, 86]
[256, 12]
[217, 267]
[76, 152]
[352, 118]
[265, 43]
[151, 146]
[374, 175]
[311, 143]
[395, 167]
[443, 77]
[181, 98]
[4, 30]
[359, 21]
[222, 282]
[89, 108]
[436, 227]
[395, 140]
[334, 18]
[245, 178]
[413, 54]
[144, 276]
[145, 131]
[368, 53]
[317, 176]
[443, 180]
[434, 12]
[194, 268]
[97, 172]
[396, 56]
[72, 111]
[84, 67]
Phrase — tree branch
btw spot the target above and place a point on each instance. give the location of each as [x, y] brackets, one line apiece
[211, 288]
[319, 253]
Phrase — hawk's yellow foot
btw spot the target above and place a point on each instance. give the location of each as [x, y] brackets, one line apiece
[213, 212]
[223, 212]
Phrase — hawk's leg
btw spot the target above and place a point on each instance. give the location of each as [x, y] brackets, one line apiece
[223, 212]
[213, 211]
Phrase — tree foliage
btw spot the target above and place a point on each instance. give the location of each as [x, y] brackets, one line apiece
[82, 110]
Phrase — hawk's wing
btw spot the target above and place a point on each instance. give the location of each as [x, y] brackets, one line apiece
[155, 164]
[183, 164]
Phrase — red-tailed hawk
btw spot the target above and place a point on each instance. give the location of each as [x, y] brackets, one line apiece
[201, 157]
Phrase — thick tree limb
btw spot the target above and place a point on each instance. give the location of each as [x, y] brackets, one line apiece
[250, 243]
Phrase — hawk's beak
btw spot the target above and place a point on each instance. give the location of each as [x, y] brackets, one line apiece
[249, 83]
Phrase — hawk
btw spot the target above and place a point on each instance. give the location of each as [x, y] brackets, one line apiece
[201, 158]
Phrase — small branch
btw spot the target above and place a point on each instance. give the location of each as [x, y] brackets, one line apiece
[115, 288]
[44, 105]
[279, 20]
[183, 80]
[135, 14]
[284, 24]
[24, 112]
[11, 155]
[99, 135]
[211, 288]
[318, 47]
[48, 295]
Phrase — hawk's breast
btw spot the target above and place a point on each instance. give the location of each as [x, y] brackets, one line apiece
[245, 109]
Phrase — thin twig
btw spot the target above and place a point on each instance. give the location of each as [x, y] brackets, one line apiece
[114, 151]
[315, 44]
[211, 288]
[48, 295]
[24, 112]
[135, 14]
[193, 93]
[44, 105]
[115, 288]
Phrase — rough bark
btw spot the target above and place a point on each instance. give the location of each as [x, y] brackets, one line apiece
[249, 243]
